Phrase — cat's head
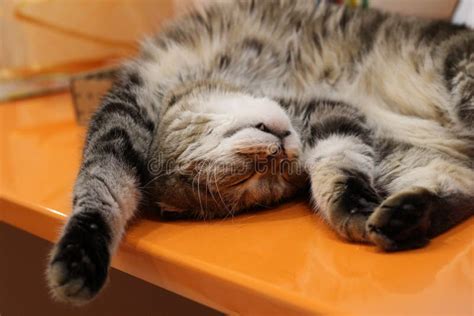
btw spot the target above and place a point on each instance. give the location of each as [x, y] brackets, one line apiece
[219, 151]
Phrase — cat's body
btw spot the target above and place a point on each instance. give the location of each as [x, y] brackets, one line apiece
[375, 110]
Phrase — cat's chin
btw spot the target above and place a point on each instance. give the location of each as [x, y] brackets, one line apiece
[252, 192]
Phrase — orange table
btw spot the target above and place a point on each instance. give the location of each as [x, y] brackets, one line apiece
[278, 262]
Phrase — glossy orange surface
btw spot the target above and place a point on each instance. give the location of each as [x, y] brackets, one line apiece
[278, 262]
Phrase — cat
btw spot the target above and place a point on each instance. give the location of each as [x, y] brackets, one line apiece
[243, 104]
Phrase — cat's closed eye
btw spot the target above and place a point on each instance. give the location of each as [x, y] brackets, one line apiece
[280, 134]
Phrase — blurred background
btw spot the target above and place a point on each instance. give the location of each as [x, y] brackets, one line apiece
[44, 42]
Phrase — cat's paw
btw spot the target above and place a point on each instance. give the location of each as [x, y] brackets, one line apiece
[351, 209]
[358, 195]
[80, 261]
[402, 221]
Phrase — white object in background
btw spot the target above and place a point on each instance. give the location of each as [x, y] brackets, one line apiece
[432, 9]
[465, 13]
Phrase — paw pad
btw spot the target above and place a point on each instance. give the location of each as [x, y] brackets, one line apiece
[402, 221]
[80, 261]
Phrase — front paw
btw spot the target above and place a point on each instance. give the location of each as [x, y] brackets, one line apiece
[80, 261]
[350, 210]
[358, 195]
[402, 221]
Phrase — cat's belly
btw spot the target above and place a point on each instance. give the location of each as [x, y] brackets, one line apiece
[418, 131]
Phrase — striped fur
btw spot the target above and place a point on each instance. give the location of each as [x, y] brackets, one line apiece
[239, 105]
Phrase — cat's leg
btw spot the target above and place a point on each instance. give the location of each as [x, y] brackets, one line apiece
[428, 194]
[459, 76]
[106, 193]
[340, 162]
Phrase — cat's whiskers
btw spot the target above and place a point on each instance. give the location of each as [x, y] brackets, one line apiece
[199, 192]
[218, 192]
[192, 183]
[152, 180]
[208, 176]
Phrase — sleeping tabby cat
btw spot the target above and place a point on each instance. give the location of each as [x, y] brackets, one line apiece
[244, 103]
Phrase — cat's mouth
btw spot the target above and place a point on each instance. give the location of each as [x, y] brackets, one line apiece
[277, 164]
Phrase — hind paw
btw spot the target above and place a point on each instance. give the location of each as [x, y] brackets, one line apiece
[402, 220]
